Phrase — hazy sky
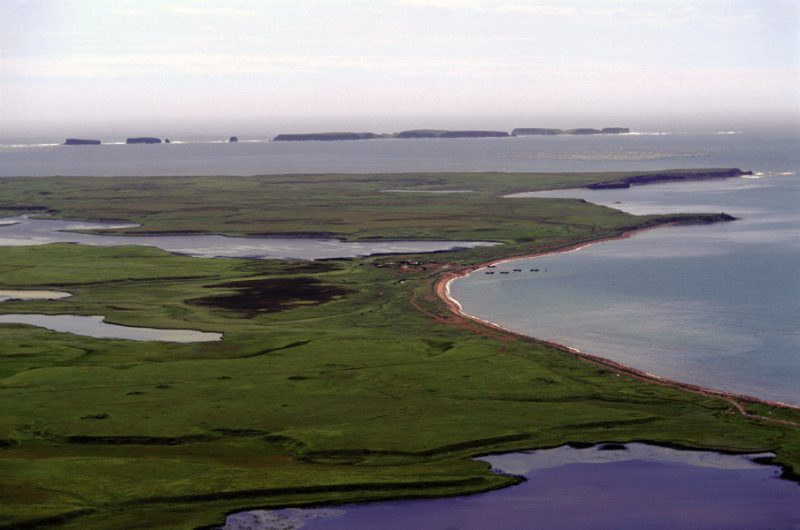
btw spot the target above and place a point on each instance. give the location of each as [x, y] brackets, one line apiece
[306, 66]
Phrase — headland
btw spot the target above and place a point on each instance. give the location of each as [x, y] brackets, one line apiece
[668, 176]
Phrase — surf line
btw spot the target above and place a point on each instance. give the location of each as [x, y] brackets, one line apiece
[442, 290]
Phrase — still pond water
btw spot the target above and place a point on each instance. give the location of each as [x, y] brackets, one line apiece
[630, 487]
[24, 231]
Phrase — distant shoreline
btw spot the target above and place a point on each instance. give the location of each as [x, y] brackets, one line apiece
[412, 134]
[435, 133]
[442, 290]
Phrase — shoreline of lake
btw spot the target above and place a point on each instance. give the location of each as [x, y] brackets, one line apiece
[548, 472]
[95, 326]
[442, 290]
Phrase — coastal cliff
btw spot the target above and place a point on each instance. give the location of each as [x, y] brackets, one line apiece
[670, 176]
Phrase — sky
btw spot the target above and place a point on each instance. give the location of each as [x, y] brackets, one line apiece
[272, 66]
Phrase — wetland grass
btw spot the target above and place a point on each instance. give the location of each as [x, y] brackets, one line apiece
[354, 383]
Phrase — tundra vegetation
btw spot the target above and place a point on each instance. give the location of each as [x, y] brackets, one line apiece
[336, 381]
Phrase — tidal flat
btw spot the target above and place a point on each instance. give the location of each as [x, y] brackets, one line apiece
[355, 385]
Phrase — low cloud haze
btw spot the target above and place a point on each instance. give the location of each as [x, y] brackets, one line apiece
[263, 68]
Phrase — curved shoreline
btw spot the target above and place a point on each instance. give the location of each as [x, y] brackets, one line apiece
[442, 290]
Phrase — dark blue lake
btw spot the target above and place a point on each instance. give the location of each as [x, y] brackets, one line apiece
[640, 487]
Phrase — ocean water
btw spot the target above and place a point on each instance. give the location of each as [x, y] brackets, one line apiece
[766, 151]
[713, 305]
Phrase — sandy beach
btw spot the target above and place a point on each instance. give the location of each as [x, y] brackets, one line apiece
[442, 290]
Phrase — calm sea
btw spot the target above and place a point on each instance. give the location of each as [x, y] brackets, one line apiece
[634, 152]
[714, 305]
[711, 305]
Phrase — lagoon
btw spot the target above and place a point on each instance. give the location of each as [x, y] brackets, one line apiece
[23, 231]
[94, 326]
[6, 295]
[619, 487]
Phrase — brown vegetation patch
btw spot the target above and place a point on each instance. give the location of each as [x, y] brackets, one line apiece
[254, 297]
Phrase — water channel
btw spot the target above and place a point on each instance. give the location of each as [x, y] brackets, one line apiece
[24, 231]
[93, 326]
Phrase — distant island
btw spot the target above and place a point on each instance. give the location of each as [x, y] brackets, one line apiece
[578, 132]
[143, 141]
[412, 134]
[453, 134]
[436, 133]
[78, 141]
[324, 137]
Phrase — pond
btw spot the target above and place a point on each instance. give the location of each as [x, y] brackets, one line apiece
[6, 296]
[24, 231]
[93, 326]
[611, 486]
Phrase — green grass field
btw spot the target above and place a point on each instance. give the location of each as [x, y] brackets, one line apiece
[329, 385]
